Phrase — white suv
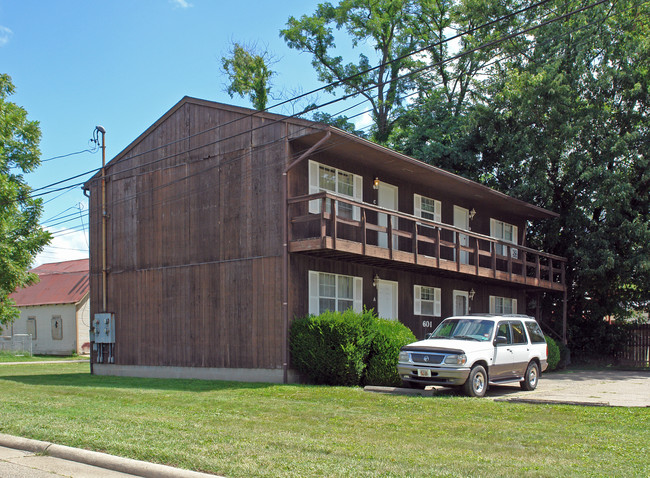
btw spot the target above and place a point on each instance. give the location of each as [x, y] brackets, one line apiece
[474, 351]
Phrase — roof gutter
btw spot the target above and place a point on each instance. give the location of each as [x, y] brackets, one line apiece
[285, 245]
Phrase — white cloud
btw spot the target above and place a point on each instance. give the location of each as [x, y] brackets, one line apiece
[5, 35]
[181, 3]
[66, 245]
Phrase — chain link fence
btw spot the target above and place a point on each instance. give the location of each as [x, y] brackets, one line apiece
[17, 344]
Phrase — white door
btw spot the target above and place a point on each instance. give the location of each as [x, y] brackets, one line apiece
[386, 198]
[461, 221]
[461, 301]
[387, 299]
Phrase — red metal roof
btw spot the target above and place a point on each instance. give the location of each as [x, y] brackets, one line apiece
[61, 283]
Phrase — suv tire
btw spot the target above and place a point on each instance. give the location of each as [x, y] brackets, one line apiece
[531, 378]
[477, 382]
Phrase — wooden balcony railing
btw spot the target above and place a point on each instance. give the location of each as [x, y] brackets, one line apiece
[373, 233]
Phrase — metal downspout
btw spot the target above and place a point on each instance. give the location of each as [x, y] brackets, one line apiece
[285, 245]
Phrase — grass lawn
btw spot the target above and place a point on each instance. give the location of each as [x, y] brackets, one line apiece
[9, 356]
[244, 429]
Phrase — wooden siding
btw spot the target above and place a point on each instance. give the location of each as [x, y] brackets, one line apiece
[195, 239]
[194, 246]
[299, 293]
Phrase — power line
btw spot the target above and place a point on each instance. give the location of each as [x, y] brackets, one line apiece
[283, 138]
[338, 82]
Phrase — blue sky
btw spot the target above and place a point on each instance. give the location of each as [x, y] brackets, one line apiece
[122, 64]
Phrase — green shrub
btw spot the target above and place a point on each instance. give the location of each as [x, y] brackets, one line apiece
[388, 336]
[331, 348]
[553, 353]
[348, 348]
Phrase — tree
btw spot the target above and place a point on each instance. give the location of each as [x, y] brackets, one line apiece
[435, 125]
[249, 73]
[21, 238]
[386, 26]
[340, 122]
[567, 127]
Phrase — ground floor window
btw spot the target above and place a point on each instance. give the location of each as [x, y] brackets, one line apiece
[427, 300]
[334, 292]
[502, 305]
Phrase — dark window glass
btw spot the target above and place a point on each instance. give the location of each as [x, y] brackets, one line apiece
[518, 334]
[504, 331]
[535, 332]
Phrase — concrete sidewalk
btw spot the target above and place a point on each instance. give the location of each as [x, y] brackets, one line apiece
[22, 457]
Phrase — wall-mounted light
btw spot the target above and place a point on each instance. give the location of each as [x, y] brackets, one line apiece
[375, 183]
[375, 281]
[471, 294]
[472, 213]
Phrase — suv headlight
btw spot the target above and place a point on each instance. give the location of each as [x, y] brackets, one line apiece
[460, 359]
[404, 356]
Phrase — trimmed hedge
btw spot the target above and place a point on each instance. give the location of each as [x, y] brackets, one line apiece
[389, 336]
[348, 348]
[553, 353]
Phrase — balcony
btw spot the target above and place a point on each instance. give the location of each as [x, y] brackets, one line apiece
[370, 234]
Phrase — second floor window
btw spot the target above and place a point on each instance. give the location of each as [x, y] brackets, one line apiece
[505, 232]
[337, 181]
[427, 208]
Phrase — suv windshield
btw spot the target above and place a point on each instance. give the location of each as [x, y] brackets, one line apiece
[464, 329]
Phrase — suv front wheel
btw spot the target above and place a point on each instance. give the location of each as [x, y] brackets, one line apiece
[531, 378]
[477, 382]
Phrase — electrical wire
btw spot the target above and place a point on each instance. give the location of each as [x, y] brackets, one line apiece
[502, 39]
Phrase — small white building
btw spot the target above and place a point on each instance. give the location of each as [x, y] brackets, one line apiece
[56, 310]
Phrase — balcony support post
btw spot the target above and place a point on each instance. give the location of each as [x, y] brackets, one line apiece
[285, 245]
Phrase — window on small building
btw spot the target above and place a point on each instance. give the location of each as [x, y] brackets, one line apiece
[334, 292]
[342, 183]
[502, 305]
[31, 327]
[57, 328]
[504, 232]
[427, 300]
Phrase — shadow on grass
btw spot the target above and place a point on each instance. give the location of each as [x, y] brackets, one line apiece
[98, 381]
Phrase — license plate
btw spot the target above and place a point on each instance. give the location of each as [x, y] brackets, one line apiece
[424, 372]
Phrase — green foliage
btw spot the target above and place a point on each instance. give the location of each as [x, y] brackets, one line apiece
[553, 353]
[568, 128]
[21, 238]
[598, 340]
[340, 122]
[249, 74]
[348, 348]
[331, 348]
[388, 337]
[385, 27]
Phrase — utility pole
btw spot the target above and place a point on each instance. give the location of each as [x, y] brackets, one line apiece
[101, 129]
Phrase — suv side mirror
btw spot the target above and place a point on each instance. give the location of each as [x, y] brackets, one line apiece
[500, 340]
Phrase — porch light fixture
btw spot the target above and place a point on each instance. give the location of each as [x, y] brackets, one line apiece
[472, 213]
[375, 183]
[471, 294]
[375, 280]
